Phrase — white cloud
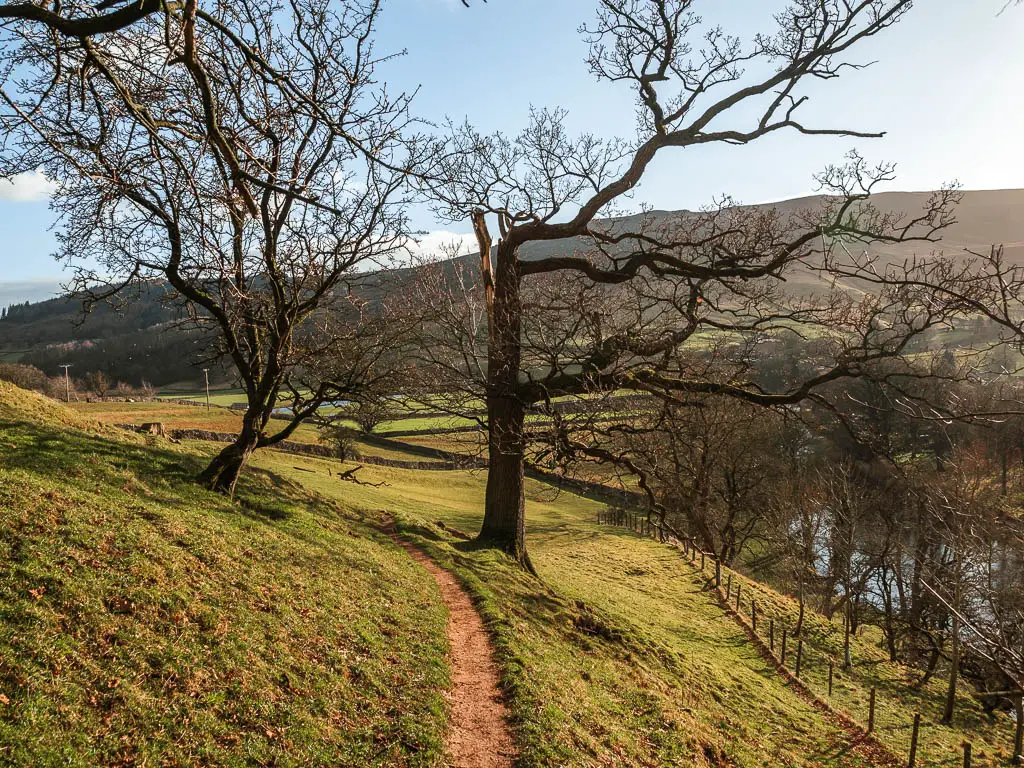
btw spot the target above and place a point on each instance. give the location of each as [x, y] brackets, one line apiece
[442, 244]
[27, 187]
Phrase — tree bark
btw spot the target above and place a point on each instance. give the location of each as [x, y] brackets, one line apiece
[504, 524]
[847, 655]
[954, 657]
[954, 674]
[223, 472]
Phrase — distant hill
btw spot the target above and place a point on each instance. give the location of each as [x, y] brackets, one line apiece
[137, 342]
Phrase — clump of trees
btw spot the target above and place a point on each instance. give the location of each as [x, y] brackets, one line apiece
[93, 384]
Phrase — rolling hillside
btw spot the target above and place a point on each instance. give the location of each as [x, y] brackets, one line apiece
[136, 343]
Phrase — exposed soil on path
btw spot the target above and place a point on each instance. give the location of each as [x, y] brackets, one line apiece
[479, 736]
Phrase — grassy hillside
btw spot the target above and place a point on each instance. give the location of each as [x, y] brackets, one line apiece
[146, 622]
[619, 657]
[622, 656]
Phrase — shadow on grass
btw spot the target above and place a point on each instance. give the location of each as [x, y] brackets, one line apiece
[81, 458]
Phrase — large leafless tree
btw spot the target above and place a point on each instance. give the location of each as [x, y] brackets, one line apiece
[249, 157]
[695, 85]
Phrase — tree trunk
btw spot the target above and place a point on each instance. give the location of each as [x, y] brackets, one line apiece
[954, 674]
[504, 524]
[803, 608]
[954, 657]
[1005, 471]
[223, 472]
[847, 655]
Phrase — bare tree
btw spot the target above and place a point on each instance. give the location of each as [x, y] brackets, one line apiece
[695, 86]
[260, 211]
[90, 19]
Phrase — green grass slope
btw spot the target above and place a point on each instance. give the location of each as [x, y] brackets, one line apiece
[623, 657]
[144, 621]
[619, 657]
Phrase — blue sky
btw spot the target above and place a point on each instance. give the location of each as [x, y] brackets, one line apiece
[946, 87]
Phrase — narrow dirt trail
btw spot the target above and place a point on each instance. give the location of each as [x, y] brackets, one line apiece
[479, 736]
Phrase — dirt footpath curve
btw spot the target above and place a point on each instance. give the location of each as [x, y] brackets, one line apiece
[479, 735]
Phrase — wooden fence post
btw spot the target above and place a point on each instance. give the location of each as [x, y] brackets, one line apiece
[771, 635]
[739, 584]
[1018, 737]
[967, 754]
[913, 741]
[718, 572]
[871, 711]
[728, 587]
[753, 614]
[783, 657]
[799, 655]
[702, 560]
[831, 672]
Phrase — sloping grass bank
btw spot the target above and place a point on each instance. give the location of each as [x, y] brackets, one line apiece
[618, 658]
[144, 621]
[622, 657]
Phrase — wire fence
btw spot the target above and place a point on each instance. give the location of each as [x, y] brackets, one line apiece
[812, 659]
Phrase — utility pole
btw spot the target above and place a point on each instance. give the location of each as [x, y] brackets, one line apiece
[206, 371]
[67, 380]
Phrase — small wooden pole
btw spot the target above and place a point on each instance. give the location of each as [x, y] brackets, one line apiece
[799, 655]
[871, 711]
[728, 586]
[967, 754]
[771, 635]
[718, 572]
[913, 741]
[739, 585]
[702, 560]
[831, 672]
[1018, 737]
[753, 614]
[783, 657]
